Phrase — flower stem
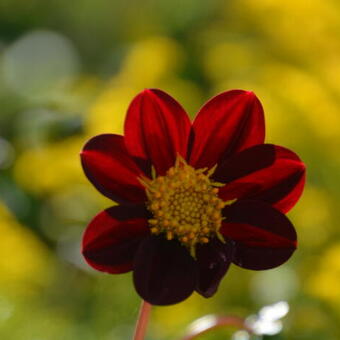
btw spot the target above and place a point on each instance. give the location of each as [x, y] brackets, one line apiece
[142, 321]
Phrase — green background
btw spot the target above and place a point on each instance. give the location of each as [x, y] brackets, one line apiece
[68, 70]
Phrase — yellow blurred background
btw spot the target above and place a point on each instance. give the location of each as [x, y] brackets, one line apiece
[68, 71]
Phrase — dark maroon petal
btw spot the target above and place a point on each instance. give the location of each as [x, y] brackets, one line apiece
[213, 260]
[113, 236]
[225, 125]
[265, 172]
[164, 272]
[108, 166]
[156, 129]
[260, 258]
[258, 230]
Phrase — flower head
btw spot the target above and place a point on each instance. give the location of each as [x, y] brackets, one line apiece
[193, 198]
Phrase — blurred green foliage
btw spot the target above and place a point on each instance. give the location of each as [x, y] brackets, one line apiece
[68, 70]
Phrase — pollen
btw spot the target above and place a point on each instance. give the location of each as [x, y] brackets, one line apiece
[185, 205]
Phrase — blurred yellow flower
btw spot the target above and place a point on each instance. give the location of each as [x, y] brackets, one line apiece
[150, 63]
[313, 217]
[24, 259]
[324, 283]
[50, 168]
[229, 59]
[282, 22]
[108, 112]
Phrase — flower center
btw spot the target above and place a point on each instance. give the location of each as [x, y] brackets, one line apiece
[185, 205]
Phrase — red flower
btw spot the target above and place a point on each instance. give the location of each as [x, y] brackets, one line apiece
[193, 198]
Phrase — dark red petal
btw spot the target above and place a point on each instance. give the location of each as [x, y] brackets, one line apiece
[263, 236]
[108, 166]
[113, 236]
[164, 272]
[266, 172]
[261, 258]
[225, 125]
[213, 260]
[156, 129]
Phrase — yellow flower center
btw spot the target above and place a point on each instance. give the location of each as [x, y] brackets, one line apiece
[185, 205]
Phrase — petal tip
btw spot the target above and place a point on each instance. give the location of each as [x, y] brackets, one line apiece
[150, 94]
[150, 91]
[146, 91]
[251, 95]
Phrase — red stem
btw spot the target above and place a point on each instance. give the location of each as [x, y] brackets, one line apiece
[142, 321]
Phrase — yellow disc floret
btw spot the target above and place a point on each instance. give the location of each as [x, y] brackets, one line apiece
[185, 205]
